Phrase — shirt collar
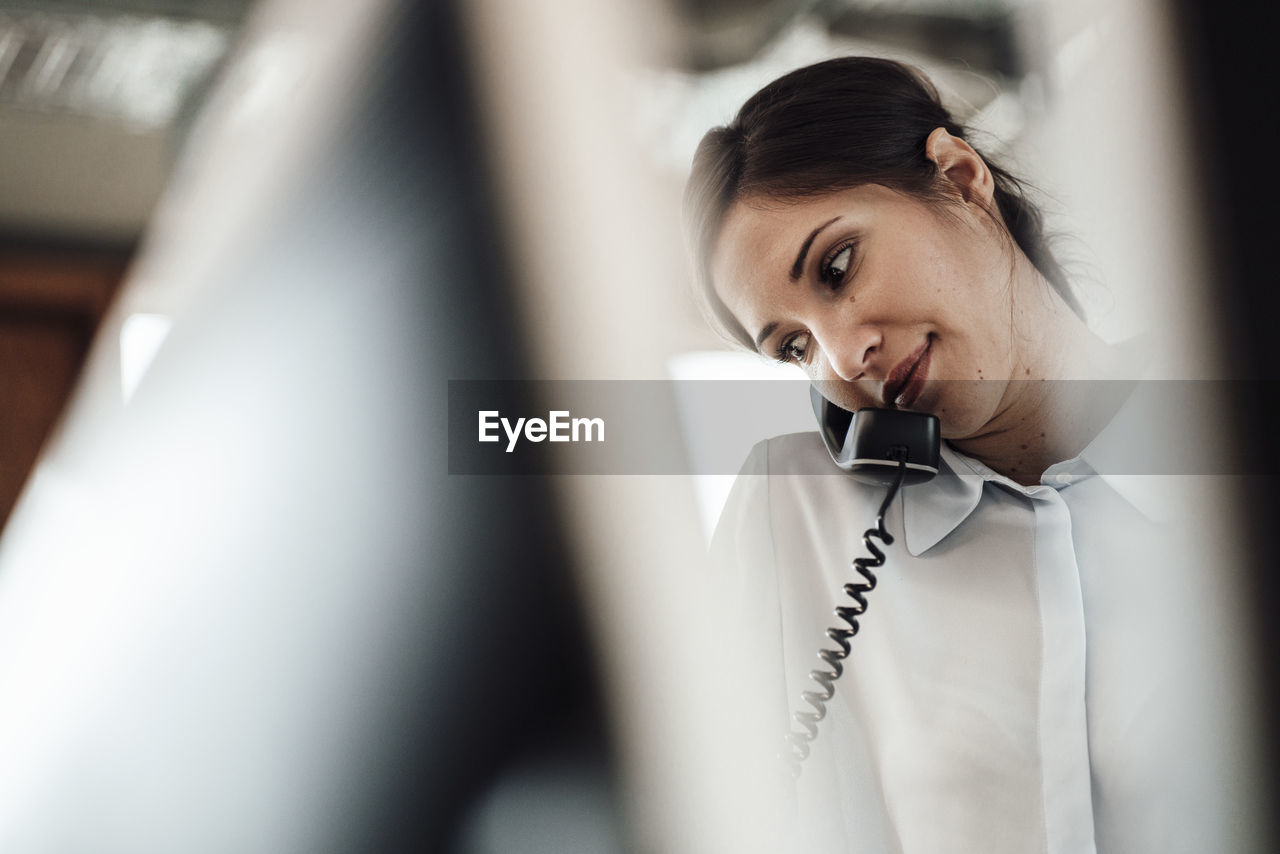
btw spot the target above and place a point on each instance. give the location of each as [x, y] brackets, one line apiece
[1138, 436]
[934, 509]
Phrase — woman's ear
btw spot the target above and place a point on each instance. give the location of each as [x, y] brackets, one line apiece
[960, 165]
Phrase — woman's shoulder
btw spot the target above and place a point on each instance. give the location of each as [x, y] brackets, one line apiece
[801, 461]
[790, 454]
[789, 479]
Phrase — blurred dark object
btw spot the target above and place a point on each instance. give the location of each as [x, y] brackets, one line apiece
[1229, 64]
[307, 636]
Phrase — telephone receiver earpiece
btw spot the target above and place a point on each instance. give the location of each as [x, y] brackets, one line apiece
[871, 444]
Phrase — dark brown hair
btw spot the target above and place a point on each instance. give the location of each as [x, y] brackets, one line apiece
[832, 126]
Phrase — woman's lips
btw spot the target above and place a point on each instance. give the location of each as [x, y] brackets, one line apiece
[907, 379]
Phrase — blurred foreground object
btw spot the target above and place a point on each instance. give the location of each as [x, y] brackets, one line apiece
[248, 610]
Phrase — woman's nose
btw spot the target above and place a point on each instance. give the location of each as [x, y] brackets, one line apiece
[850, 350]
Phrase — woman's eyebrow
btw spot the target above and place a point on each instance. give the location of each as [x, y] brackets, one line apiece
[765, 333]
[798, 267]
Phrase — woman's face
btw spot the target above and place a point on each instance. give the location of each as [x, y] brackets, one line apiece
[881, 299]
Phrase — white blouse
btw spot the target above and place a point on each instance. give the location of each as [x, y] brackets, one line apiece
[1040, 669]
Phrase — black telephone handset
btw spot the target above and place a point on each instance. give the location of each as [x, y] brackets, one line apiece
[885, 447]
[873, 444]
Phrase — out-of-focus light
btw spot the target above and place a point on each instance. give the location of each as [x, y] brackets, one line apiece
[136, 70]
[140, 338]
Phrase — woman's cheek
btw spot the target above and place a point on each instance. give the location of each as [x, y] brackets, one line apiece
[847, 395]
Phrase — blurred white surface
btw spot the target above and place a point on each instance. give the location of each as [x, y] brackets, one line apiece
[706, 447]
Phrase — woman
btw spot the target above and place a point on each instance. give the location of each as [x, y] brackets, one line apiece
[1018, 683]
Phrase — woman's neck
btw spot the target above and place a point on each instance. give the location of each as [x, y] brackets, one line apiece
[1059, 406]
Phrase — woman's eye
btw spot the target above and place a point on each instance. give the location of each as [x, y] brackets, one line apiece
[838, 267]
[793, 349]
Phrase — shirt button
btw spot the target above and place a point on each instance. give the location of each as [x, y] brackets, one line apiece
[1063, 478]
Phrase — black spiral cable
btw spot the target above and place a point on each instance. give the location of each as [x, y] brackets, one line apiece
[798, 741]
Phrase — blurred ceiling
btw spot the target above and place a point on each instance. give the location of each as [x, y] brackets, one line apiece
[980, 34]
[95, 97]
[987, 57]
[94, 100]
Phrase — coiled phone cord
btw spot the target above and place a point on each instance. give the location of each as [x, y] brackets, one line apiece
[798, 741]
